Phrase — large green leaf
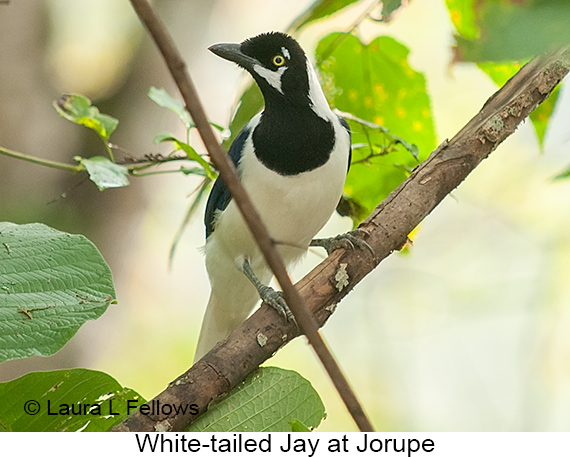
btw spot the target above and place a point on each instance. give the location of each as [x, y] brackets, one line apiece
[65, 400]
[503, 30]
[270, 400]
[391, 113]
[51, 283]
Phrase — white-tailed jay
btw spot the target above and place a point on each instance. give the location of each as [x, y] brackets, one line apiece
[292, 159]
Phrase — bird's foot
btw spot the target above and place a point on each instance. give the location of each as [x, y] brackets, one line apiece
[274, 298]
[269, 295]
[348, 240]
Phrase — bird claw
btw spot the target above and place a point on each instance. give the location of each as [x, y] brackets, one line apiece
[348, 240]
[274, 298]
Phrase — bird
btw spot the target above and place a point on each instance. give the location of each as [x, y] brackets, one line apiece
[292, 158]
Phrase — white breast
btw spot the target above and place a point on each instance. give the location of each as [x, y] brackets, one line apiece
[294, 208]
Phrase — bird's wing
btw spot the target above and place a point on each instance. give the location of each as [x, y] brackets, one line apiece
[220, 196]
[347, 127]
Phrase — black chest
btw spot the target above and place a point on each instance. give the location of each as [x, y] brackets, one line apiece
[291, 141]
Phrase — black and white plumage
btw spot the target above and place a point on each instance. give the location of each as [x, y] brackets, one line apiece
[292, 159]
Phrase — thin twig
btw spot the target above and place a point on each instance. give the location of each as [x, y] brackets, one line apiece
[40, 161]
[134, 167]
[228, 173]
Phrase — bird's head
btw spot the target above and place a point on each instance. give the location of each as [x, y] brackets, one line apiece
[277, 63]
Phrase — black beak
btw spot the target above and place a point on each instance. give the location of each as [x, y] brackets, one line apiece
[232, 52]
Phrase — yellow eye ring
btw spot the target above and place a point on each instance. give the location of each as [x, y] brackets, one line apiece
[278, 60]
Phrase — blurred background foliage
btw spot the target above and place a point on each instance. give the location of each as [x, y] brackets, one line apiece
[468, 332]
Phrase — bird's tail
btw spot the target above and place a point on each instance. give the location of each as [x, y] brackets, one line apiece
[220, 320]
[211, 332]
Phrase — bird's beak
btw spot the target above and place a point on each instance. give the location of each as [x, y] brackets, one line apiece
[232, 52]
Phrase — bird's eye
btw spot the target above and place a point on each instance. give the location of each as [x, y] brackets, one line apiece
[278, 60]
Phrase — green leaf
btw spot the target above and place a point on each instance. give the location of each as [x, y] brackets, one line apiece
[51, 283]
[78, 109]
[37, 402]
[511, 30]
[104, 173]
[161, 98]
[267, 401]
[193, 155]
[189, 150]
[500, 73]
[319, 10]
[390, 111]
[250, 103]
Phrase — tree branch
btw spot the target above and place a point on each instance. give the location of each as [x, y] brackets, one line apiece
[388, 227]
[266, 244]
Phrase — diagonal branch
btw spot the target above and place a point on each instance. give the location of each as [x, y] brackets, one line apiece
[388, 227]
[266, 244]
